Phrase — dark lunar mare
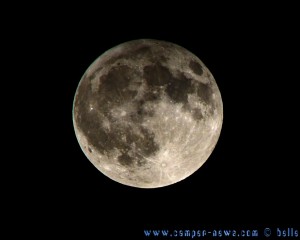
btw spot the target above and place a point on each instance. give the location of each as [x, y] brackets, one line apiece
[112, 94]
[178, 88]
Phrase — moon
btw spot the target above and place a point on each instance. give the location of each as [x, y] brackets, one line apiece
[147, 113]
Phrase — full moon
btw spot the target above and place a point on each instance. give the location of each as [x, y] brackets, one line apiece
[147, 113]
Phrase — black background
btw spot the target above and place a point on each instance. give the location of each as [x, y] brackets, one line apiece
[249, 180]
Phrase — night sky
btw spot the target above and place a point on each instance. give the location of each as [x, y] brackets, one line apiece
[249, 180]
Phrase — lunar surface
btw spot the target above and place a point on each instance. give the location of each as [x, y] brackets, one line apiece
[147, 113]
